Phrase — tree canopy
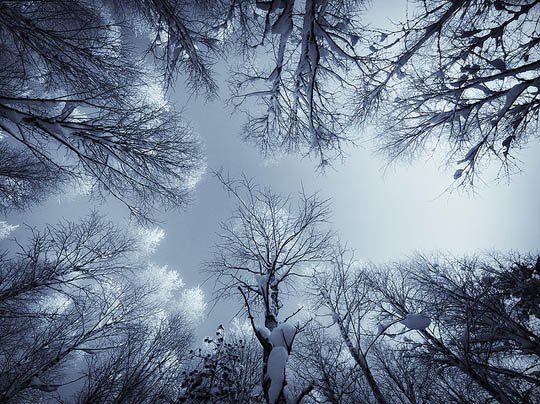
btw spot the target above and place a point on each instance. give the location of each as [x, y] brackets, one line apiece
[84, 99]
[458, 75]
[75, 101]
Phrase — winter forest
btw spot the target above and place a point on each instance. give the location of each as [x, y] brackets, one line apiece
[272, 201]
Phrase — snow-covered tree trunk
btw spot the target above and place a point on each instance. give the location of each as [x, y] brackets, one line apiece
[263, 248]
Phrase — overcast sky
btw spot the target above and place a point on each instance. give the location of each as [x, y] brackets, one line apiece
[383, 214]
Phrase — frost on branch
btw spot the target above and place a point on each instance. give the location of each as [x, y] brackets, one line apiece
[6, 229]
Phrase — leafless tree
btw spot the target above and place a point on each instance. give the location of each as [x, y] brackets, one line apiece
[144, 366]
[459, 76]
[324, 359]
[67, 295]
[343, 290]
[422, 330]
[477, 323]
[457, 73]
[265, 246]
[64, 255]
[24, 179]
[184, 37]
[74, 95]
[299, 62]
[407, 379]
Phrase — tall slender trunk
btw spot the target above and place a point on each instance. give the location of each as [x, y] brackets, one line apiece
[361, 361]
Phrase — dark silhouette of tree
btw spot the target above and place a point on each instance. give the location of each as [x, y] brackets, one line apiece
[24, 179]
[343, 290]
[428, 330]
[184, 39]
[459, 76]
[322, 358]
[263, 248]
[144, 365]
[405, 379]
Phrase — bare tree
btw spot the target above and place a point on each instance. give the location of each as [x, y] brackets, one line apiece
[67, 295]
[74, 95]
[64, 255]
[184, 38]
[472, 323]
[263, 248]
[299, 62]
[465, 71]
[144, 365]
[461, 76]
[456, 76]
[430, 330]
[344, 291]
[323, 359]
[24, 179]
[407, 379]
[418, 332]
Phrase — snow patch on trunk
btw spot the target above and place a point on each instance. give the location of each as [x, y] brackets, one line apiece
[277, 361]
[283, 336]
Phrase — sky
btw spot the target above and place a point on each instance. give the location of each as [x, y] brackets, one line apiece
[383, 213]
